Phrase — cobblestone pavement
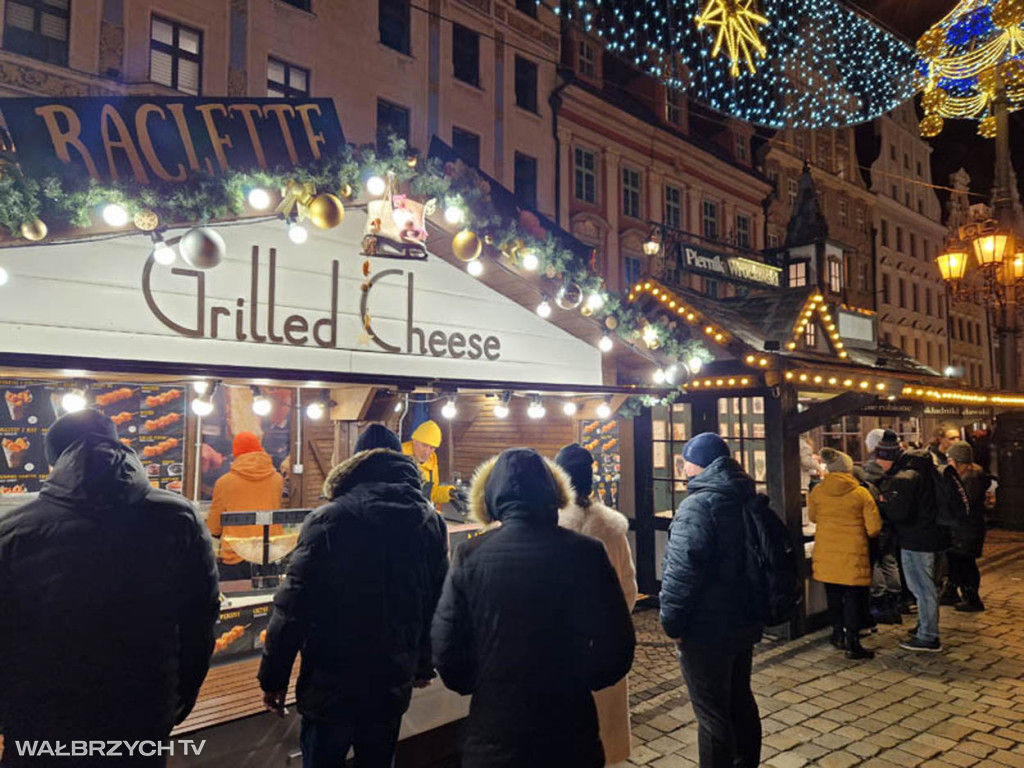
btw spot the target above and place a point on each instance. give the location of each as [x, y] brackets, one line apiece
[962, 707]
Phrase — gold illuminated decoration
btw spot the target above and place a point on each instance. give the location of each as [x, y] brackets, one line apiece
[737, 22]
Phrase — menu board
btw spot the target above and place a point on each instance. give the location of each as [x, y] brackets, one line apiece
[150, 419]
[601, 438]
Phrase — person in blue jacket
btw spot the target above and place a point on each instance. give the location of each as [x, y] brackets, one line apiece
[707, 607]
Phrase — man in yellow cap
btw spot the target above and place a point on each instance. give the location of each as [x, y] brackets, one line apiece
[422, 446]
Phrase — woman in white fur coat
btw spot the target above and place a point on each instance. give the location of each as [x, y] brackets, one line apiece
[592, 518]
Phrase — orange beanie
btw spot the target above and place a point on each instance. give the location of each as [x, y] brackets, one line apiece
[245, 442]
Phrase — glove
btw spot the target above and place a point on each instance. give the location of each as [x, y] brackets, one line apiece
[459, 500]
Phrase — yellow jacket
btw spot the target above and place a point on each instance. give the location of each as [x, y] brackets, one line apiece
[439, 494]
[846, 517]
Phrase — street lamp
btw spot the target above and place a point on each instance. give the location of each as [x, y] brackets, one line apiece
[952, 265]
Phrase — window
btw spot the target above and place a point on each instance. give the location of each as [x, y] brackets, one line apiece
[392, 119]
[824, 153]
[710, 211]
[633, 269]
[526, 84]
[742, 230]
[302, 5]
[673, 106]
[835, 275]
[941, 304]
[741, 146]
[529, 7]
[393, 23]
[792, 187]
[917, 348]
[886, 290]
[773, 240]
[977, 332]
[899, 239]
[811, 336]
[843, 213]
[465, 55]
[915, 298]
[906, 199]
[903, 344]
[586, 59]
[586, 175]
[466, 145]
[903, 293]
[674, 207]
[712, 288]
[797, 274]
[798, 142]
[885, 233]
[928, 301]
[895, 193]
[961, 335]
[925, 249]
[286, 80]
[929, 350]
[38, 28]
[631, 193]
[892, 151]
[526, 180]
[920, 206]
[175, 56]
[913, 245]
[919, 168]
[862, 225]
[906, 161]
[862, 276]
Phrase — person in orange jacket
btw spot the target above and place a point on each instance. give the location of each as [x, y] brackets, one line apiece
[422, 446]
[252, 485]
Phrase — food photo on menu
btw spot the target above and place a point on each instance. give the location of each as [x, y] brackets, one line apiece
[24, 418]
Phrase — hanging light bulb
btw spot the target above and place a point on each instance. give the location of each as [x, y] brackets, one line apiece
[202, 407]
[606, 343]
[262, 405]
[604, 410]
[530, 261]
[4, 276]
[376, 186]
[544, 308]
[595, 301]
[201, 387]
[297, 233]
[399, 405]
[659, 376]
[73, 401]
[475, 268]
[501, 410]
[259, 199]
[453, 214]
[449, 411]
[670, 374]
[695, 364]
[315, 410]
[569, 409]
[115, 215]
[162, 252]
[536, 410]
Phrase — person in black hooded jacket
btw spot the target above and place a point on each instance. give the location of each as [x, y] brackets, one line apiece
[361, 588]
[108, 600]
[531, 621]
[707, 604]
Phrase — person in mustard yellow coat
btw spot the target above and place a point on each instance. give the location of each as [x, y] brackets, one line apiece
[846, 516]
[422, 446]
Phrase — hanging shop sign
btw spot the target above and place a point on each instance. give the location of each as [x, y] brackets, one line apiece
[901, 409]
[735, 267]
[277, 305]
[150, 140]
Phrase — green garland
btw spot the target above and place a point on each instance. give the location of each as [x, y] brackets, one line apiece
[204, 198]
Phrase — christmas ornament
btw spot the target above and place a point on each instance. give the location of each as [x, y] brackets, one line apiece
[931, 125]
[146, 221]
[326, 211]
[1008, 13]
[932, 43]
[466, 245]
[345, 191]
[586, 310]
[202, 247]
[34, 230]
[569, 296]
[987, 81]
[611, 322]
[934, 100]
[737, 22]
[550, 272]
[1012, 72]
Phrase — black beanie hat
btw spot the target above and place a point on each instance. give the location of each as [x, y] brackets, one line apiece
[888, 448]
[578, 463]
[72, 427]
[378, 436]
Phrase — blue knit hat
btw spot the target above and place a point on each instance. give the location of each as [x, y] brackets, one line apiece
[704, 449]
[378, 436]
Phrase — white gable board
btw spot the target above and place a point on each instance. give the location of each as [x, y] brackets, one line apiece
[105, 299]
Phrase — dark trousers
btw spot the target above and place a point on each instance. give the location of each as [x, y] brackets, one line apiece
[718, 679]
[963, 571]
[846, 606]
[325, 745]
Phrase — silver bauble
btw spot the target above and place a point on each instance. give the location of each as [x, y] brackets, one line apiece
[569, 296]
[202, 247]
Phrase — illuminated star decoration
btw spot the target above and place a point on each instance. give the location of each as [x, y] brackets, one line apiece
[737, 22]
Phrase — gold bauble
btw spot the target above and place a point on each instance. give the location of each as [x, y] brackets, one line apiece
[611, 322]
[932, 43]
[326, 211]
[931, 125]
[934, 100]
[345, 191]
[987, 80]
[1008, 13]
[488, 239]
[586, 310]
[146, 221]
[987, 127]
[466, 245]
[1012, 72]
[412, 161]
[34, 231]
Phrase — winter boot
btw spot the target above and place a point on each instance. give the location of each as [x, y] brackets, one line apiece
[948, 595]
[854, 650]
[838, 640]
[971, 602]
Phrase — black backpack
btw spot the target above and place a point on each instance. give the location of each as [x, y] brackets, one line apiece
[771, 563]
[951, 503]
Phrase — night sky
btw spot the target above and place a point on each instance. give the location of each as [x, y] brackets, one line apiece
[959, 144]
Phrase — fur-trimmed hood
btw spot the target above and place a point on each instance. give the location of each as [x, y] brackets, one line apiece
[515, 484]
[377, 465]
[597, 520]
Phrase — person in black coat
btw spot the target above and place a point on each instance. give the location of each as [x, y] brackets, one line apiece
[108, 600]
[707, 604]
[531, 621]
[361, 588]
[968, 535]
